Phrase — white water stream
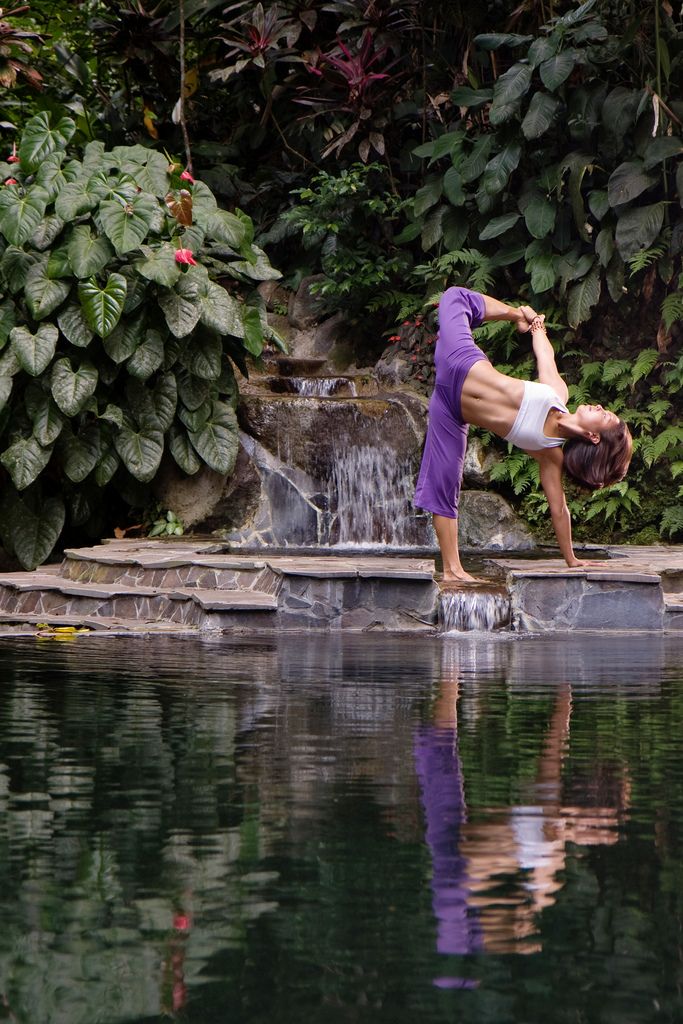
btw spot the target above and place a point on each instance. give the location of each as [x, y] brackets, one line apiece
[374, 492]
[473, 609]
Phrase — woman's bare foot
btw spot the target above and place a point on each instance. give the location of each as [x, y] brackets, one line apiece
[456, 579]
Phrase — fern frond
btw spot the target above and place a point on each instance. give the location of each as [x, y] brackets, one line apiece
[646, 257]
[672, 520]
[644, 364]
[672, 309]
[613, 369]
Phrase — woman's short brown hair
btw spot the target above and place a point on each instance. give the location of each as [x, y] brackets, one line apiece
[598, 465]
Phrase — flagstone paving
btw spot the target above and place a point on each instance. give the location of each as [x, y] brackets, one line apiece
[199, 587]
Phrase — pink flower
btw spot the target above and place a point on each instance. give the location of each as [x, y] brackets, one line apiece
[186, 176]
[11, 181]
[13, 158]
[181, 922]
[185, 256]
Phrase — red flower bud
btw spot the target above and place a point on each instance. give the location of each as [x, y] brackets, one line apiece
[13, 158]
[11, 181]
[185, 256]
[186, 176]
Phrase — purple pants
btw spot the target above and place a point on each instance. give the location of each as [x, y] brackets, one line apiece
[438, 485]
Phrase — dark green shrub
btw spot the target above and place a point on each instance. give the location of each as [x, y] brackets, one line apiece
[126, 294]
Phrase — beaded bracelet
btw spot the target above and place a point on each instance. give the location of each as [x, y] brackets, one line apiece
[537, 324]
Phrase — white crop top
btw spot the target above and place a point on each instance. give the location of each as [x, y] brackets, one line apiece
[527, 430]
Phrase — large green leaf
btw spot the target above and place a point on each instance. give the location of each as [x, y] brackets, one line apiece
[541, 50]
[428, 195]
[494, 40]
[102, 307]
[217, 441]
[182, 315]
[203, 355]
[140, 451]
[50, 175]
[627, 182]
[582, 297]
[604, 246]
[540, 115]
[47, 231]
[21, 214]
[195, 419]
[88, 254]
[542, 273]
[14, 266]
[8, 319]
[182, 451]
[221, 312]
[164, 397]
[74, 200]
[43, 294]
[577, 164]
[126, 224]
[35, 351]
[500, 167]
[125, 338]
[159, 265]
[25, 460]
[71, 389]
[464, 96]
[151, 174]
[106, 467]
[204, 206]
[663, 148]
[253, 330]
[73, 325]
[432, 228]
[598, 203]
[6, 383]
[637, 229]
[452, 187]
[472, 166]
[619, 111]
[39, 139]
[148, 357]
[45, 416]
[498, 226]
[192, 391]
[80, 452]
[557, 69]
[226, 228]
[257, 269]
[31, 533]
[512, 85]
[539, 215]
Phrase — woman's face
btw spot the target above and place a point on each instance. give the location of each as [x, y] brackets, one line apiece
[595, 419]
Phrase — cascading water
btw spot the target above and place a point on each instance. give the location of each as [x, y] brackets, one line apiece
[322, 387]
[476, 608]
[374, 492]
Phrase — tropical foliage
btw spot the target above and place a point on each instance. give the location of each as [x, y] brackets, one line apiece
[126, 301]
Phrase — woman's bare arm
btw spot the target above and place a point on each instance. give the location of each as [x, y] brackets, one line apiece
[551, 482]
[545, 360]
[497, 310]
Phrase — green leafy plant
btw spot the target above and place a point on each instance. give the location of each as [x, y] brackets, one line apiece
[166, 524]
[126, 295]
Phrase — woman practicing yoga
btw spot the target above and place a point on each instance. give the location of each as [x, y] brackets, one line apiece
[592, 445]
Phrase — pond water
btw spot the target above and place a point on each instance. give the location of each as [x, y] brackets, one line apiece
[360, 829]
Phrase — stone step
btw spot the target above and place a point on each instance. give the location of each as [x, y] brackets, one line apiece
[39, 593]
[208, 572]
[673, 611]
[95, 623]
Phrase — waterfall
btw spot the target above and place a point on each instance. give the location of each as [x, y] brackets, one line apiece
[374, 493]
[321, 387]
[473, 609]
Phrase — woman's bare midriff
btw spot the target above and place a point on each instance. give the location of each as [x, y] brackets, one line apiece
[489, 399]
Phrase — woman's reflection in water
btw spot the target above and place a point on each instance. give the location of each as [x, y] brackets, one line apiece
[496, 868]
